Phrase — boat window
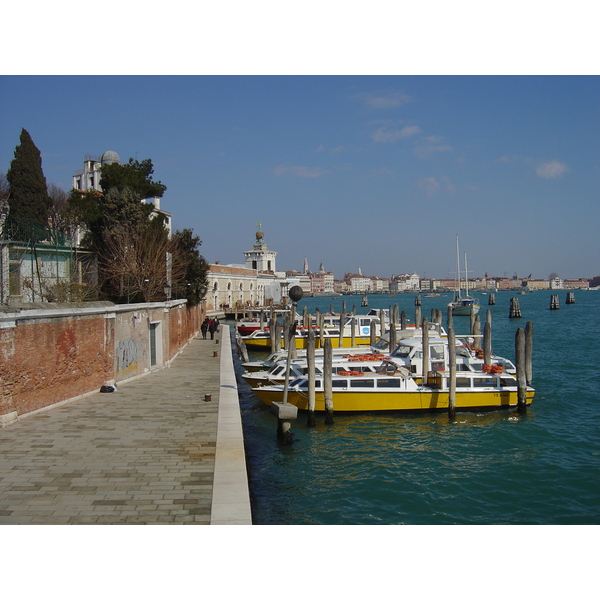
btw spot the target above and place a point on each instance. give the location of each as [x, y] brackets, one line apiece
[380, 344]
[387, 367]
[362, 383]
[507, 382]
[339, 383]
[278, 370]
[436, 352]
[318, 384]
[388, 383]
[484, 381]
[366, 322]
[463, 382]
[402, 350]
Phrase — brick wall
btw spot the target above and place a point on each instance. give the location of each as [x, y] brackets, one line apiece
[49, 355]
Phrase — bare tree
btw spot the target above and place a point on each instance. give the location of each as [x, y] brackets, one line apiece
[56, 210]
[135, 262]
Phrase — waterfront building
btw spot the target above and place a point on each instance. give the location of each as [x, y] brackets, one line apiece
[380, 285]
[356, 283]
[255, 283]
[260, 257]
[322, 282]
[405, 283]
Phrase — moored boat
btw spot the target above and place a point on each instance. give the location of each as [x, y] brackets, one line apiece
[401, 392]
[463, 306]
[365, 363]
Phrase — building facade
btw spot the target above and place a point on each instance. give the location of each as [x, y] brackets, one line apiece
[256, 283]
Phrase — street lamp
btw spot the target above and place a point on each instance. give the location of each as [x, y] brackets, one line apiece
[167, 291]
[295, 295]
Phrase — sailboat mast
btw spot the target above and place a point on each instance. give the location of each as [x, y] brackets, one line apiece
[457, 280]
[466, 277]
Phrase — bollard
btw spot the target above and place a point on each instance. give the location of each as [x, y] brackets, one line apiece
[215, 353]
[285, 413]
[207, 397]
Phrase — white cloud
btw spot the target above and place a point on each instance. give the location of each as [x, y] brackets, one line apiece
[384, 100]
[551, 170]
[431, 145]
[432, 186]
[389, 136]
[300, 171]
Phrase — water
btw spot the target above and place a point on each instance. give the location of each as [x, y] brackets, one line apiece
[483, 468]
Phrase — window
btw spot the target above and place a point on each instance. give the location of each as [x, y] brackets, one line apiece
[388, 383]
[362, 383]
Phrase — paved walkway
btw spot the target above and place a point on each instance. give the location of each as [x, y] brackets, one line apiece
[152, 452]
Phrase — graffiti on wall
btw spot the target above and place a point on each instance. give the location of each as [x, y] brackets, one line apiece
[127, 355]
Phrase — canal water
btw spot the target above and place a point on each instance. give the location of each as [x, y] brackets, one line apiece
[482, 468]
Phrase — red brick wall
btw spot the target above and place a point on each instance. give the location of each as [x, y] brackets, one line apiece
[44, 361]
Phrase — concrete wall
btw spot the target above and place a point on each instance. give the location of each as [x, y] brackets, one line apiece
[54, 354]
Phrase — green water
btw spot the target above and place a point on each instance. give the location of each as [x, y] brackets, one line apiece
[481, 468]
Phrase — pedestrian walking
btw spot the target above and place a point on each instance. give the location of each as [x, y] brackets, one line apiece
[204, 328]
[212, 327]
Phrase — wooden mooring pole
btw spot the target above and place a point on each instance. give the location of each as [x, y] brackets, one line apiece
[310, 365]
[425, 345]
[529, 352]
[487, 339]
[521, 373]
[327, 385]
[452, 374]
[554, 303]
[492, 299]
[515, 309]
[570, 298]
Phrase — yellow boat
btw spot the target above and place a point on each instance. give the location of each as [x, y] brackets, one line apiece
[358, 392]
[261, 339]
[366, 363]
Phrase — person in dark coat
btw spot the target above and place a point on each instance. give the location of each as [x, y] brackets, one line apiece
[212, 327]
[204, 328]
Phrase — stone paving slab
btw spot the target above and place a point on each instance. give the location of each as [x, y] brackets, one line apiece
[144, 454]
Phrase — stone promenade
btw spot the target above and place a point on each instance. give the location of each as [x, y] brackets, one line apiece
[155, 451]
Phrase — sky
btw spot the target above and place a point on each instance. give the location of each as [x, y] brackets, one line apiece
[369, 171]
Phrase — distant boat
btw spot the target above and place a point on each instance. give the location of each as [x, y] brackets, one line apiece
[463, 305]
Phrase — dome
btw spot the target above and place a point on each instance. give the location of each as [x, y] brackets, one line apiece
[110, 157]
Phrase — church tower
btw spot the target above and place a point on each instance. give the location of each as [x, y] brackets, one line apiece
[260, 257]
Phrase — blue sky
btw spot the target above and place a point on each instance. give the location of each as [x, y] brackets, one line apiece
[377, 172]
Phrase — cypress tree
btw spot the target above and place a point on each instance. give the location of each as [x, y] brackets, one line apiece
[28, 194]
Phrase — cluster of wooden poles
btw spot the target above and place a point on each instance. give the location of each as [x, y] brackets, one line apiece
[523, 362]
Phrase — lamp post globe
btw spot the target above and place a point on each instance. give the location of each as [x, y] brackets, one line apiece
[295, 293]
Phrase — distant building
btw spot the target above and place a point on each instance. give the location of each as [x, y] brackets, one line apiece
[405, 283]
[356, 283]
[256, 283]
[260, 257]
[88, 179]
[322, 282]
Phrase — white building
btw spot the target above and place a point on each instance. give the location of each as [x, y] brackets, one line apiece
[88, 179]
[405, 283]
[256, 283]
